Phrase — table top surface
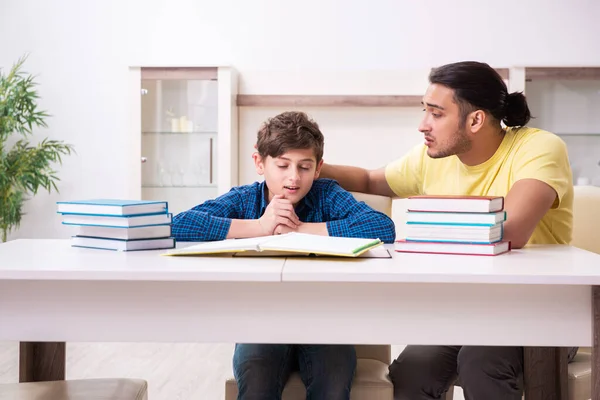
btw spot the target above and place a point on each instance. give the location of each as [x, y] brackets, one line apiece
[55, 259]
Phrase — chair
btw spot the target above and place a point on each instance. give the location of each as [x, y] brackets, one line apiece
[77, 389]
[586, 218]
[371, 381]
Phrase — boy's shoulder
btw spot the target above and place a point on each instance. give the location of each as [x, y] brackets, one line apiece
[324, 184]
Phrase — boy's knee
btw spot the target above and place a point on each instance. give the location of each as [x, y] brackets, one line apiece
[257, 369]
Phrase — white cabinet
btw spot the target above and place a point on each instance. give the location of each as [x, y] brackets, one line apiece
[187, 129]
[566, 101]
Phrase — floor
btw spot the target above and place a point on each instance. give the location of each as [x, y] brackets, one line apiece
[173, 371]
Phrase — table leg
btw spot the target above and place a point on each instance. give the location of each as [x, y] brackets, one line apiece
[595, 342]
[42, 361]
[546, 374]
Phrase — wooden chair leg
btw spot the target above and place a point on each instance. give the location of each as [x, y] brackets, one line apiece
[42, 361]
[545, 373]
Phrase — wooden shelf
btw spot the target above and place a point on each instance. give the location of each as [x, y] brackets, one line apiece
[504, 72]
[263, 100]
[571, 73]
[184, 73]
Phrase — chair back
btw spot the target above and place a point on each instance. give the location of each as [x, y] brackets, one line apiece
[378, 203]
[586, 218]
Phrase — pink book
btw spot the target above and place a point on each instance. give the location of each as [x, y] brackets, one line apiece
[453, 203]
[493, 249]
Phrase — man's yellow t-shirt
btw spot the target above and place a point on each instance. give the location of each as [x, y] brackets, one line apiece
[525, 153]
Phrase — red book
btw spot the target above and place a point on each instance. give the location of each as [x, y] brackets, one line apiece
[493, 249]
[449, 203]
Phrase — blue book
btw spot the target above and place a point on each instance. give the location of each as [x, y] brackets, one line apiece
[112, 207]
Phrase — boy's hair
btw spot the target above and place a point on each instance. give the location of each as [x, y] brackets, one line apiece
[287, 131]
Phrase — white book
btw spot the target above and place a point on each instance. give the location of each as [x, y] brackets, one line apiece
[141, 232]
[291, 243]
[123, 245]
[454, 233]
[450, 218]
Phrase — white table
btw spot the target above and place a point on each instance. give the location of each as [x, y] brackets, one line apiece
[542, 296]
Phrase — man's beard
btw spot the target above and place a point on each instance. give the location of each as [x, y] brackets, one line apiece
[460, 144]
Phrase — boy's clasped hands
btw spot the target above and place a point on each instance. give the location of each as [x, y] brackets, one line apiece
[279, 217]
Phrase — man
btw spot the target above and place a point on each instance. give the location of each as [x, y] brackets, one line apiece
[291, 198]
[467, 151]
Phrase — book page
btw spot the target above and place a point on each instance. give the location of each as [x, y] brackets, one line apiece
[318, 244]
[220, 246]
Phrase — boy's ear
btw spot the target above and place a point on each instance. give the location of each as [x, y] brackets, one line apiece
[318, 170]
[258, 163]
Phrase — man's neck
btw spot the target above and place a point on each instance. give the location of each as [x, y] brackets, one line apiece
[484, 147]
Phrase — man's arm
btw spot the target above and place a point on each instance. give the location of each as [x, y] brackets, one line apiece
[399, 179]
[541, 176]
[355, 179]
[526, 204]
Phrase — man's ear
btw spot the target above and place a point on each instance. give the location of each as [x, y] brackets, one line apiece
[318, 170]
[475, 121]
[258, 163]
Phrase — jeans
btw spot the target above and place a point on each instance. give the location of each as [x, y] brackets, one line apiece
[262, 370]
[490, 373]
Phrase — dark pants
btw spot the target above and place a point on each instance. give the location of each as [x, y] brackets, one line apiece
[485, 373]
[262, 370]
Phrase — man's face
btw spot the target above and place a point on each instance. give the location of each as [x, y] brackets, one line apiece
[291, 174]
[445, 132]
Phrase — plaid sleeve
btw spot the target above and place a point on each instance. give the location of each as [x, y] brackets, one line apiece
[350, 218]
[208, 221]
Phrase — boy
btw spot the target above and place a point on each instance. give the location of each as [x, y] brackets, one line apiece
[291, 198]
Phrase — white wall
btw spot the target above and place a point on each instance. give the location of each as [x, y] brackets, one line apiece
[82, 50]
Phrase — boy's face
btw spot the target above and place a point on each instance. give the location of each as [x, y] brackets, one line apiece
[291, 174]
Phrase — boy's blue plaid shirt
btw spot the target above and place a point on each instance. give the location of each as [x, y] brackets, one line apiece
[325, 202]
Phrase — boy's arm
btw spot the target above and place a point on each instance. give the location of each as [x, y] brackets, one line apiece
[216, 219]
[542, 176]
[350, 218]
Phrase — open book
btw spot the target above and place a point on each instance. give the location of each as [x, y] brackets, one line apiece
[290, 243]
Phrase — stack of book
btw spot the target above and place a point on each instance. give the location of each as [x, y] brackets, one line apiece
[122, 225]
[455, 225]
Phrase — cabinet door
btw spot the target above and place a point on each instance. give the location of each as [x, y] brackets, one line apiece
[179, 138]
[566, 101]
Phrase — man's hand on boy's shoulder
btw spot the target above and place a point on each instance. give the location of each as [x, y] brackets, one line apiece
[280, 211]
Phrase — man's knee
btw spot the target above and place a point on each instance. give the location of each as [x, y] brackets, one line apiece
[423, 372]
[477, 362]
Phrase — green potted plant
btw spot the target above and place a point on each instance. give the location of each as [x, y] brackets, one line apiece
[24, 168]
